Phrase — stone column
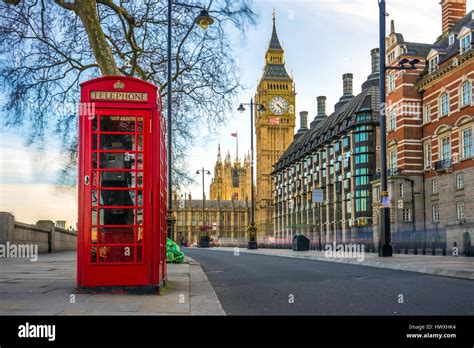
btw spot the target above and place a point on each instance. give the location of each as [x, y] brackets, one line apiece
[49, 225]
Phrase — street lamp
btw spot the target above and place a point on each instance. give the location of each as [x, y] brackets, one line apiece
[203, 20]
[252, 244]
[385, 234]
[203, 171]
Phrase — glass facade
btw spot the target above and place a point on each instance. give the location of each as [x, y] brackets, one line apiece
[340, 171]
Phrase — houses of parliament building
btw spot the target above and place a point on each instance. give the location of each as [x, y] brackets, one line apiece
[231, 180]
[226, 214]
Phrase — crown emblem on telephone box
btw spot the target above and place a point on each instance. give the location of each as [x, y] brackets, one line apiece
[119, 85]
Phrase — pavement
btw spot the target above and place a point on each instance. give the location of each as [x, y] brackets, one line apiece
[450, 266]
[47, 287]
[256, 283]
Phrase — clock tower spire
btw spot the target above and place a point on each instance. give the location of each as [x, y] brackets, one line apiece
[274, 127]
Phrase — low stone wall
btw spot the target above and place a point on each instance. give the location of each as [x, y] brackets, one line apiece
[45, 234]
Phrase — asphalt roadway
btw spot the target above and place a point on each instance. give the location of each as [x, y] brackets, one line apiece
[249, 284]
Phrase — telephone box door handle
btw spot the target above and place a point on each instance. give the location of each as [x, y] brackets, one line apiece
[86, 180]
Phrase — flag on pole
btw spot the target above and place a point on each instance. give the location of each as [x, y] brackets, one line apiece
[274, 120]
[236, 136]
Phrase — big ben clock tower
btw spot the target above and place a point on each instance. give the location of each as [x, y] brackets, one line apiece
[274, 127]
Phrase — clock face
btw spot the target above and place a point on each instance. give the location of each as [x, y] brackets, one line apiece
[278, 105]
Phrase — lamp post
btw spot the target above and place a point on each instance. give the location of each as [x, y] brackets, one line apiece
[203, 20]
[252, 243]
[203, 171]
[385, 234]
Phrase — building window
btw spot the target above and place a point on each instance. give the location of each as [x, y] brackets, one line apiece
[433, 64]
[401, 190]
[435, 213]
[452, 38]
[466, 93]
[465, 43]
[435, 186]
[406, 215]
[467, 143]
[427, 156]
[444, 104]
[391, 57]
[391, 82]
[460, 209]
[426, 113]
[393, 161]
[460, 181]
[392, 120]
[446, 149]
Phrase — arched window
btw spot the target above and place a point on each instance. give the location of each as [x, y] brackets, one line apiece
[466, 93]
[444, 104]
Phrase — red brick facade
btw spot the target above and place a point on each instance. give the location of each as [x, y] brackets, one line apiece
[452, 11]
[430, 151]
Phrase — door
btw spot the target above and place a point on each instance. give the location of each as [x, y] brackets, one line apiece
[116, 191]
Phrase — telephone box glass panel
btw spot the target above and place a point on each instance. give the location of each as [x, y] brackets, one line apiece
[117, 189]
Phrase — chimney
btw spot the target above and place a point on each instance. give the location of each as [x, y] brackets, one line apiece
[304, 120]
[347, 82]
[321, 116]
[373, 78]
[375, 54]
[303, 125]
[347, 89]
[452, 11]
[321, 105]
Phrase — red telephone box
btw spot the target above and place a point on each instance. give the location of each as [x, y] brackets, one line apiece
[122, 185]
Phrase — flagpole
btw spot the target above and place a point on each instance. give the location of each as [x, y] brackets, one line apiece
[237, 147]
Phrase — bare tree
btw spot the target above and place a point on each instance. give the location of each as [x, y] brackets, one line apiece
[48, 47]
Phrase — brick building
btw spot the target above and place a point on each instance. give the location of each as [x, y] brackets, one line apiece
[430, 118]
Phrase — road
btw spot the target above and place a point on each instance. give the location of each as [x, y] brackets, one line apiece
[250, 284]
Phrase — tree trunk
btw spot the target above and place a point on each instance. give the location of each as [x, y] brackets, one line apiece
[87, 12]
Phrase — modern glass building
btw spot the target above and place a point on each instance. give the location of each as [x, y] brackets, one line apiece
[322, 183]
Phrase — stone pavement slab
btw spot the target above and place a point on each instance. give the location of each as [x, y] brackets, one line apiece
[450, 266]
[204, 300]
[47, 287]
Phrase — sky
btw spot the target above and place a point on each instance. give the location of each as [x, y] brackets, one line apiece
[323, 39]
